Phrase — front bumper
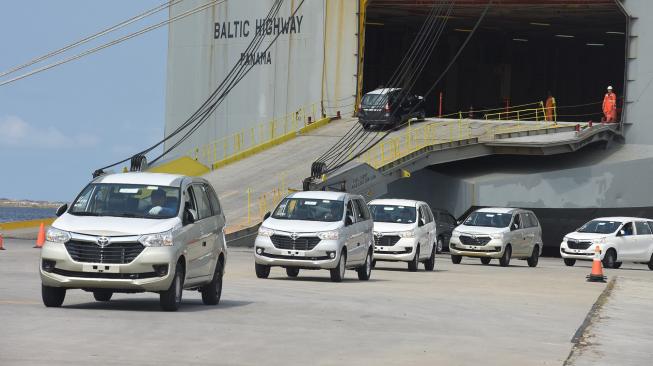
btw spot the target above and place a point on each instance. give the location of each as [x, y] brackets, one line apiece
[320, 257]
[402, 251]
[493, 249]
[138, 275]
[578, 254]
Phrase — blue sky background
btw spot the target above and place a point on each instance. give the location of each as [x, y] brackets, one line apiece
[58, 126]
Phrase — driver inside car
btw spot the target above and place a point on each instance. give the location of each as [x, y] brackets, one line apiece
[158, 200]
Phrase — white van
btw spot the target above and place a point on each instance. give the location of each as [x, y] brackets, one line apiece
[500, 233]
[404, 231]
[316, 230]
[621, 239]
[137, 232]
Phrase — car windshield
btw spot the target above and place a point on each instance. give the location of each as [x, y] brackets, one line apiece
[127, 200]
[309, 209]
[393, 213]
[600, 227]
[488, 219]
[374, 100]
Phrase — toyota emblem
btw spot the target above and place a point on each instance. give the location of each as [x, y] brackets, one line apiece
[378, 235]
[103, 241]
[294, 236]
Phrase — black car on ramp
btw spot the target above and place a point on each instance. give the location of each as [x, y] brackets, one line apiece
[389, 107]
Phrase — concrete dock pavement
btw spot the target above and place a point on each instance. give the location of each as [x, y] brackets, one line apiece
[465, 314]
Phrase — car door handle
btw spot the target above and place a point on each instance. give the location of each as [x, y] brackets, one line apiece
[203, 243]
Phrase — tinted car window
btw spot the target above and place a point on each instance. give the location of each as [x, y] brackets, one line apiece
[517, 221]
[642, 228]
[392, 213]
[203, 205]
[361, 210]
[215, 203]
[309, 209]
[628, 229]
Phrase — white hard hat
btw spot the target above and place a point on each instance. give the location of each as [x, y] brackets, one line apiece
[610, 87]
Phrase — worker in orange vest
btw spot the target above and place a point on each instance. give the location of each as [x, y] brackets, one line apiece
[549, 107]
[610, 106]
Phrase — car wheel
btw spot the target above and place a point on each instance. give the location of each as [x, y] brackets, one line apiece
[617, 265]
[170, 299]
[338, 273]
[429, 265]
[102, 295]
[534, 258]
[570, 262]
[365, 271]
[610, 258]
[52, 296]
[292, 272]
[262, 271]
[212, 291]
[486, 260]
[374, 263]
[412, 265]
[455, 259]
[504, 261]
[439, 244]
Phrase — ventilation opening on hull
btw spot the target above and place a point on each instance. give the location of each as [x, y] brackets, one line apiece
[522, 50]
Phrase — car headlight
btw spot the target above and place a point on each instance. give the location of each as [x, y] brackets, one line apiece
[599, 241]
[455, 234]
[57, 236]
[163, 239]
[328, 235]
[496, 236]
[263, 231]
[407, 234]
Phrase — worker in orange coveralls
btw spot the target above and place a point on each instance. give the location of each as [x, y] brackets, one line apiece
[610, 106]
[549, 107]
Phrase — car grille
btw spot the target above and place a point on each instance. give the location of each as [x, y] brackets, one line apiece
[477, 240]
[301, 243]
[386, 241]
[114, 253]
[575, 244]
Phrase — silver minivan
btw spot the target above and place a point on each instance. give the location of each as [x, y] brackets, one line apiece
[316, 230]
[498, 233]
[137, 232]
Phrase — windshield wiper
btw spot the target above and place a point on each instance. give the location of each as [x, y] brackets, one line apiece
[85, 213]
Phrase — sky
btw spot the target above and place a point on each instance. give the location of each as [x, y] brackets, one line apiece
[58, 126]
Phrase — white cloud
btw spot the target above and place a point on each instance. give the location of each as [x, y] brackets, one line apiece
[16, 132]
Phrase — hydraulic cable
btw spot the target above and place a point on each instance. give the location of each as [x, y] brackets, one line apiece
[211, 103]
[453, 60]
[113, 43]
[163, 6]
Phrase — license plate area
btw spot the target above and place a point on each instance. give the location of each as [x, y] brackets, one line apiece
[295, 253]
[100, 268]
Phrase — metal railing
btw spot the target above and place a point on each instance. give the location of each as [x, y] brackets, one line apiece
[252, 137]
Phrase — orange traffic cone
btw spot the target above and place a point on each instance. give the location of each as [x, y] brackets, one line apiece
[597, 268]
[2, 243]
[40, 239]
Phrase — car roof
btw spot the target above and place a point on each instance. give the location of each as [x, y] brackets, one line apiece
[394, 202]
[156, 179]
[621, 219]
[505, 210]
[320, 195]
[383, 90]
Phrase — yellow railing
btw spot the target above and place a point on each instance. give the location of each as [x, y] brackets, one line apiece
[258, 204]
[413, 138]
[263, 133]
[529, 114]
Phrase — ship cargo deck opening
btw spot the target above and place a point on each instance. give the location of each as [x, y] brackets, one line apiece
[522, 50]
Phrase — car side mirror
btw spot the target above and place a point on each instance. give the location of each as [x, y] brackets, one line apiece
[349, 221]
[514, 227]
[421, 223]
[267, 215]
[189, 216]
[622, 233]
[459, 222]
[62, 209]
